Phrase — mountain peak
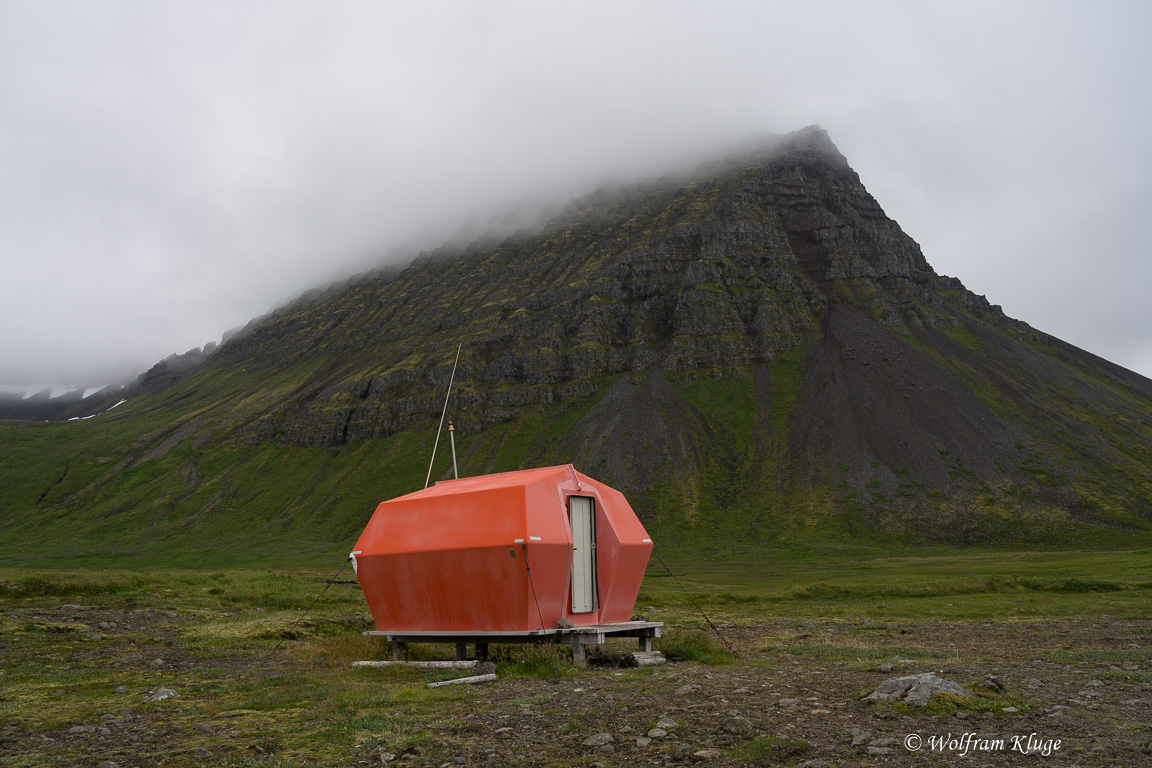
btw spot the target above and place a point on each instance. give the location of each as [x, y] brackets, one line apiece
[755, 353]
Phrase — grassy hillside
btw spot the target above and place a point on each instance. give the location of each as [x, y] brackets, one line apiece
[756, 356]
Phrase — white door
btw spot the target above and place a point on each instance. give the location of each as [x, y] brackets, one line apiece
[583, 525]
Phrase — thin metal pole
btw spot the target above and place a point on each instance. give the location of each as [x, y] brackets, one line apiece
[452, 439]
[442, 414]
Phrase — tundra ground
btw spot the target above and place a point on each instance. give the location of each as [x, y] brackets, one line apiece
[89, 661]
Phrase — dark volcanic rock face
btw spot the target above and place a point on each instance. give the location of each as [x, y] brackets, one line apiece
[728, 270]
[755, 353]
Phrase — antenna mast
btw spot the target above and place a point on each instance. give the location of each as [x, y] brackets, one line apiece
[443, 412]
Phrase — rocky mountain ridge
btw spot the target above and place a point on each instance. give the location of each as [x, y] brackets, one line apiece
[754, 354]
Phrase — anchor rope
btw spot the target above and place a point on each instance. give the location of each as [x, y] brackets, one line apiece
[696, 605]
[292, 629]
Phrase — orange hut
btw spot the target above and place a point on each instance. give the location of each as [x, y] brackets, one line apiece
[506, 556]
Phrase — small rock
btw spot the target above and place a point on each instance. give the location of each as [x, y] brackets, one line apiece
[157, 662]
[109, 764]
[821, 712]
[657, 733]
[684, 690]
[606, 749]
[122, 689]
[624, 729]
[859, 737]
[914, 689]
[666, 723]
[70, 608]
[814, 764]
[884, 743]
[82, 729]
[502, 731]
[565, 624]
[739, 726]
[598, 740]
[1009, 710]
[202, 727]
[385, 757]
[643, 742]
[707, 754]
[160, 694]
[991, 683]
[885, 668]
[103, 625]
[104, 731]
[201, 752]
[879, 750]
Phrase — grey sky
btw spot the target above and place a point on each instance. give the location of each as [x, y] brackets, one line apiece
[170, 170]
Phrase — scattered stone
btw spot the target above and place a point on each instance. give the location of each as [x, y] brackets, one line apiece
[157, 662]
[814, 764]
[1009, 710]
[884, 743]
[202, 727]
[122, 689]
[103, 625]
[684, 690]
[741, 691]
[201, 752]
[785, 703]
[666, 723]
[657, 733]
[739, 726]
[565, 624]
[104, 731]
[385, 757]
[82, 729]
[991, 683]
[821, 712]
[502, 731]
[70, 608]
[624, 729]
[879, 750]
[885, 668]
[109, 764]
[707, 754]
[859, 737]
[914, 689]
[643, 742]
[598, 740]
[160, 694]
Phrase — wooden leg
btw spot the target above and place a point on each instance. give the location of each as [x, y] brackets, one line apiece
[577, 651]
[481, 651]
[645, 643]
[461, 651]
[395, 651]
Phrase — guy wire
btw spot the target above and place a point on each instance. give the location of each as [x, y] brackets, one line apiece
[696, 605]
[292, 629]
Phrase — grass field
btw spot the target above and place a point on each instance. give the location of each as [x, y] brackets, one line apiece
[261, 683]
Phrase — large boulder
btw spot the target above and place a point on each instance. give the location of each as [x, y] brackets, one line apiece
[914, 689]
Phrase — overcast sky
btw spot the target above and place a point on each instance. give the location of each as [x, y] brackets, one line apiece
[169, 170]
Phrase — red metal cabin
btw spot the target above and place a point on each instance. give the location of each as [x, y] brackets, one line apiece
[455, 557]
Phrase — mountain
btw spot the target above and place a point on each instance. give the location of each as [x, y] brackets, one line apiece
[754, 353]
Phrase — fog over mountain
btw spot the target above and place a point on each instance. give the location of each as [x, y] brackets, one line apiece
[173, 170]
